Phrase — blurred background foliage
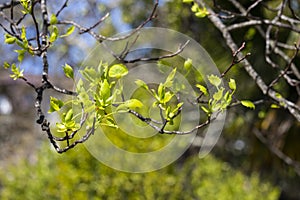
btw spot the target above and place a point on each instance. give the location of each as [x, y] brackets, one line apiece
[235, 170]
[78, 175]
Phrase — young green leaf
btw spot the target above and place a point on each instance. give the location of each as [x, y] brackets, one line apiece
[53, 19]
[202, 13]
[168, 96]
[6, 65]
[70, 30]
[275, 106]
[142, 84]
[248, 104]
[21, 54]
[68, 70]
[161, 91]
[219, 94]
[188, 64]
[170, 78]
[55, 104]
[61, 128]
[10, 40]
[89, 74]
[202, 89]
[195, 7]
[54, 34]
[117, 71]
[23, 33]
[69, 115]
[130, 104]
[232, 84]
[16, 72]
[278, 95]
[214, 80]
[206, 110]
[104, 90]
[109, 121]
[187, 1]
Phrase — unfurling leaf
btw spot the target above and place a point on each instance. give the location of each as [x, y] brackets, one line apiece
[55, 104]
[248, 104]
[117, 71]
[68, 70]
[214, 80]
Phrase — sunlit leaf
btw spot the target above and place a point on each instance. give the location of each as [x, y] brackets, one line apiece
[6, 65]
[68, 70]
[55, 104]
[89, 73]
[170, 78]
[54, 34]
[70, 124]
[188, 64]
[21, 54]
[219, 94]
[23, 34]
[105, 90]
[16, 72]
[275, 106]
[202, 89]
[130, 104]
[69, 115]
[248, 104]
[195, 7]
[61, 128]
[117, 71]
[201, 13]
[161, 91]
[53, 19]
[168, 96]
[214, 80]
[232, 84]
[10, 40]
[70, 30]
[278, 95]
[142, 84]
[206, 110]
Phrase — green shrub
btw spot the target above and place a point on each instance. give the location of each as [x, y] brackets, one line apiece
[77, 175]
